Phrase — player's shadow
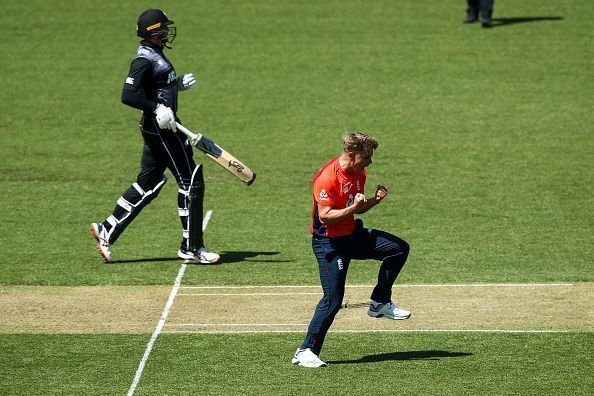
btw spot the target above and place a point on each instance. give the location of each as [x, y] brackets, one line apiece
[410, 355]
[500, 22]
[146, 260]
[256, 257]
[226, 258]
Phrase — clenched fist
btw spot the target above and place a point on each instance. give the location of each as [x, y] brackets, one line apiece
[380, 192]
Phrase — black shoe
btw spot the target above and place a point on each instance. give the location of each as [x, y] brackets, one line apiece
[471, 16]
[487, 23]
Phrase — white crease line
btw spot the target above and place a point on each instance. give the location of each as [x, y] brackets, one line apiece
[490, 285]
[160, 325]
[164, 314]
[367, 331]
[250, 287]
[396, 286]
[229, 331]
[247, 294]
[234, 324]
[206, 219]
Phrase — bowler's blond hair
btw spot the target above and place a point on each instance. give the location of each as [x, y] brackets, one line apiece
[359, 142]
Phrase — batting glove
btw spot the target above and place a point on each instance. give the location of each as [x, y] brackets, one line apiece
[165, 117]
[186, 81]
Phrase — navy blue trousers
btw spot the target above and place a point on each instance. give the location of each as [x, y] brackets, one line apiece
[334, 256]
[484, 6]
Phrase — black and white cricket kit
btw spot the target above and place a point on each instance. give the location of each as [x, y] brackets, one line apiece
[484, 7]
[152, 81]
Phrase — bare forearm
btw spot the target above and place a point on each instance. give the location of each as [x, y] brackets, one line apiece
[365, 206]
[335, 215]
[380, 193]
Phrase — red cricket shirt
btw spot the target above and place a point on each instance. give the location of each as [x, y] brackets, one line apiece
[333, 187]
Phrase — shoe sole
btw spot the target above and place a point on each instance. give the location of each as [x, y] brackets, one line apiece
[189, 259]
[192, 261]
[98, 245]
[184, 256]
[298, 363]
[376, 315]
[217, 261]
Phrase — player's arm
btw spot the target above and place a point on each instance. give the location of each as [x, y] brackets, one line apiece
[380, 194]
[330, 215]
[134, 96]
[132, 93]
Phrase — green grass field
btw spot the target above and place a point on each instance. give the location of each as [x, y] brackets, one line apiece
[485, 144]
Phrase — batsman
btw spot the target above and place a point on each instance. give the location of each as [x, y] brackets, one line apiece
[152, 86]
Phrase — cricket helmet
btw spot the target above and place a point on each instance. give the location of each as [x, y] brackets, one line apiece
[154, 23]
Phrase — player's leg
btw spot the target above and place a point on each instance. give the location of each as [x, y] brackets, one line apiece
[192, 247]
[472, 12]
[392, 251]
[183, 203]
[196, 209]
[333, 266]
[486, 7]
[148, 184]
[177, 154]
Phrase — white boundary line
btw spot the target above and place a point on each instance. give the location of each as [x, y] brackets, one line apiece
[397, 286]
[164, 314]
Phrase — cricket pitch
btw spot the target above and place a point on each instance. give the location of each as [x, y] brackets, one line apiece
[236, 309]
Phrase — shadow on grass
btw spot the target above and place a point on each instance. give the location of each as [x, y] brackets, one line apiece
[238, 257]
[226, 258]
[145, 260]
[500, 22]
[411, 355]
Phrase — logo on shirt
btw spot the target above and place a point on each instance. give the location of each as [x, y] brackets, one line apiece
[323, 195]
[358, 186]
[130, 80]
[171, 77]
[351, 201]
[347, 187]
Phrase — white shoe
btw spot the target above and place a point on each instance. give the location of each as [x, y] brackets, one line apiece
[102, 241]
[202, 256]
[388, 310]
[306, 358]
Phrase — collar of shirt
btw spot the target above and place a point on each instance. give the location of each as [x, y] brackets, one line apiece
[149, 44]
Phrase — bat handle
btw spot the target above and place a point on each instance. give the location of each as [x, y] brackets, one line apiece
[193, 137]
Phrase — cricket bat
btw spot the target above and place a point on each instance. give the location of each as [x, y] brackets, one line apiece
[219, 155]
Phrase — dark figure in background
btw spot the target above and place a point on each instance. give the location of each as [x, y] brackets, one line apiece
[484, 7]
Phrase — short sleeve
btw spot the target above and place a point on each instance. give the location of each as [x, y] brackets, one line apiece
[323, 191]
